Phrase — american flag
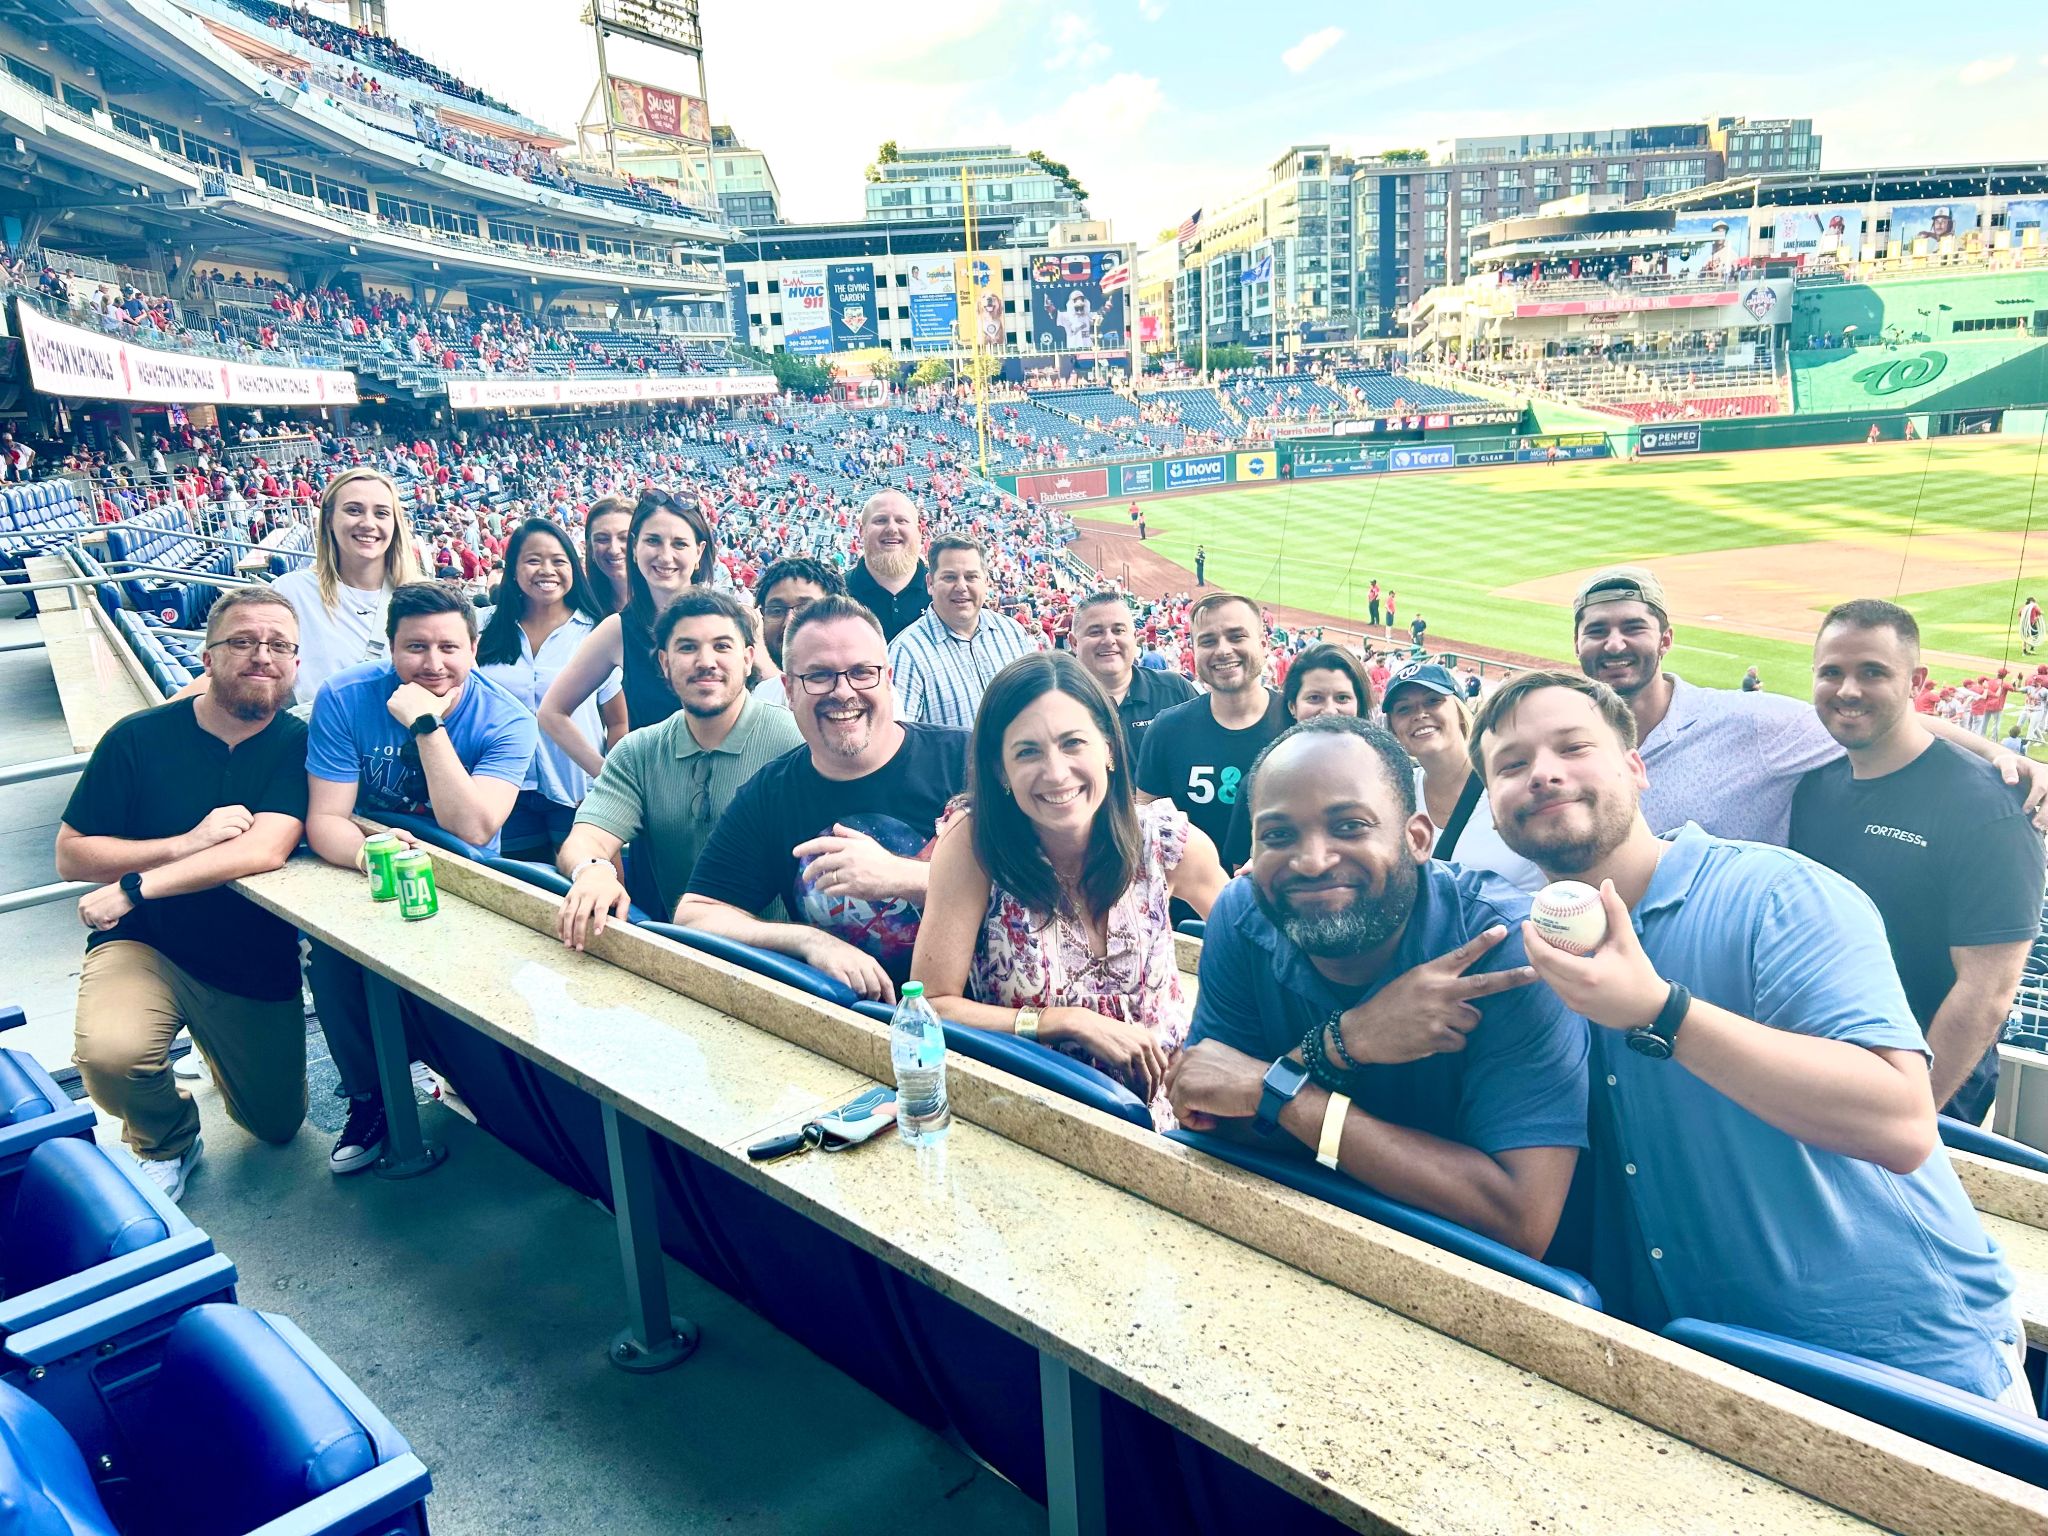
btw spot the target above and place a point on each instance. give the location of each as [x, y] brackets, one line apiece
[1189, 225]
[1118, 276]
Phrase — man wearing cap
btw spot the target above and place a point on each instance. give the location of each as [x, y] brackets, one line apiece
[1727, 760]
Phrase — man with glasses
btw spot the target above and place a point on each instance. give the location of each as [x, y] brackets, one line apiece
[783, 588]
[664, 787]
[841, 829]
[177, 802]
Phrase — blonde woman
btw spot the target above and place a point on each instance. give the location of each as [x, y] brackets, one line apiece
[362, 548]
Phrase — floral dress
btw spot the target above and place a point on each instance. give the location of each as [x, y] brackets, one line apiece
[1022, 961]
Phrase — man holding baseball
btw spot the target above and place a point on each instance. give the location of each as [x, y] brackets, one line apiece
[1768, 1155]
[1931, 836]
[1725, 759]
[1372, 1004]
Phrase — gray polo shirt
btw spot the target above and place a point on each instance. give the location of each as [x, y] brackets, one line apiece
[1731, 761]
[644, 796]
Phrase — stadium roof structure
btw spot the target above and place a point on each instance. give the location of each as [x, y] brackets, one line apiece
[2007, 178]
[868, 237]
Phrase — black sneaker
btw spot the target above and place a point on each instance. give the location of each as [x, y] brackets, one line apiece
[362, 1139]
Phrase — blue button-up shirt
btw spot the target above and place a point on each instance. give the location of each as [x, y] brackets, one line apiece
[1519, 1082]
[1734, 1221]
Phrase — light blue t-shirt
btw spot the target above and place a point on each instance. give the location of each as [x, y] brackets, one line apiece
[553, 771]
[355, 740]
[1729, 1220]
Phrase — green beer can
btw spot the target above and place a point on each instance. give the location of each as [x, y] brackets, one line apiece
[417, 897]
[378, 853]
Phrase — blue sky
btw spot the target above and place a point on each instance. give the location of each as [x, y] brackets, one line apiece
[1158, 105]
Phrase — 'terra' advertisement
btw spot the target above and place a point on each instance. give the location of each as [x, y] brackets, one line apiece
[1936, 221]
[1069, 310]
[1181, 474]
[1820, 233]
[806, 323]
[852, 293]
[1428, 456]
[933, 308]
[1067, 485]
[1678, 437]
[1717, 241]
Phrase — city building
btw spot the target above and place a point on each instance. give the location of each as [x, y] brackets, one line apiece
[747, 192]
[923, 185]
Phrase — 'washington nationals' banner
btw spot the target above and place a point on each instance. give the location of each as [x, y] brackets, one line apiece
[64, 360]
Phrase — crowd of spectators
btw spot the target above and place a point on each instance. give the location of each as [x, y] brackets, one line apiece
[363, 46]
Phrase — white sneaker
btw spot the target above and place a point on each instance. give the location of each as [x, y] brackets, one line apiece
[170, 1173]
[190, 1067]
[424, 1084]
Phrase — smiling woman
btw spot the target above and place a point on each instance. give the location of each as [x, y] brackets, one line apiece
[360, 552]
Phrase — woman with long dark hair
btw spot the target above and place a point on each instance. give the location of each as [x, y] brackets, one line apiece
[607, 550]
[1325, 679]
[1047, 914]
[546, 610]
[672, 549]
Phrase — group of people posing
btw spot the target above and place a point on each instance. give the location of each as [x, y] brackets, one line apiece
[1817, 914]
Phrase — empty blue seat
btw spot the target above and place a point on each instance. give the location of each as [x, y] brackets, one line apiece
[33, 1109]
[1962, 1422]
[45, 1489]
[21, 1097]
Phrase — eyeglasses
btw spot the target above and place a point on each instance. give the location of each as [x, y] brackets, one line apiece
[701, 767]
[248, 645]
[860, 679]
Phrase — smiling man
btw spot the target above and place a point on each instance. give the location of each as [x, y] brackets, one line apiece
[942, 664]
[1106, 643]
[1374, 1004]
[840, 829]
[664, 788]
[889, 579]
[1931, 836]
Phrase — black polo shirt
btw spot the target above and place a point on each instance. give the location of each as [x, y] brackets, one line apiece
[157, 774]
[896, 610]
[1152, 692]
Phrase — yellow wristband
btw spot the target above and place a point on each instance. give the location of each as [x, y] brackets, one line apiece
[1333, 1129]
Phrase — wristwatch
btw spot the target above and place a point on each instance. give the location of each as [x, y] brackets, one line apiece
[131, 887]
[426, 725]
[1284, 1079]
[1659, 1038]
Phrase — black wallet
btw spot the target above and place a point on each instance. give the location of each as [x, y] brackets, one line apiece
[857, 1120]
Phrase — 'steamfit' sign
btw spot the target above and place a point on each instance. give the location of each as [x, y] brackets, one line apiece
[1678, 437]
[65, 360]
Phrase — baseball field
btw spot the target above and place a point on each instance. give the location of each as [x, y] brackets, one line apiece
[1752, 548]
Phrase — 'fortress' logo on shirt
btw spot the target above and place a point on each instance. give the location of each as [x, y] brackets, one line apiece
[1898, 833]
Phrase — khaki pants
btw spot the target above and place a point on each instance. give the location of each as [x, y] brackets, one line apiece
[132, 1003]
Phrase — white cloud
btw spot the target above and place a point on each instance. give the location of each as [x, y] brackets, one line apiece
[1075, 43]
[1311, 48]
[1978, 71]
[1152, 10]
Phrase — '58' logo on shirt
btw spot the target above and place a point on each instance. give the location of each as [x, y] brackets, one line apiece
[1205, 785]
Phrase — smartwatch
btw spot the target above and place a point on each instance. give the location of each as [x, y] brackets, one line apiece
[1659, 1038]
[131, 887]
[1284, 1079]
[426, 725]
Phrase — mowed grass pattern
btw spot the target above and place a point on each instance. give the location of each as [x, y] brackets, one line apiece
[1448, 542]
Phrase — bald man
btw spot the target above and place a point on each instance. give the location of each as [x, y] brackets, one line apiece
[889, 578]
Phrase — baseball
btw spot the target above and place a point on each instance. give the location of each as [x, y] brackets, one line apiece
[1568, 914]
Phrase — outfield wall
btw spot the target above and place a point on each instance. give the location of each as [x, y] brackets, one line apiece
[1920, 376]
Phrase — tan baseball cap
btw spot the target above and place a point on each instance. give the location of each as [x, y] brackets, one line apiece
[1622, 584]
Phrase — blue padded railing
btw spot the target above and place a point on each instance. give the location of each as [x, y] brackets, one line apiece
[762, 962]
[1193, 927]
[1043, 1067]
[1941, 1415]
[429, 832]
[1348, 1194]
[1960, 1136]
[545, 876]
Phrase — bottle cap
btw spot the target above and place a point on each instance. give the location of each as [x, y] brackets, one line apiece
[912, 989]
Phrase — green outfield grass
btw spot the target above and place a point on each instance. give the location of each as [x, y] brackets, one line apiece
[1451, 542]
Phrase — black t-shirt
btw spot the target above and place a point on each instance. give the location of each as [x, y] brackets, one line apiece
[157, 774]
[1200, 766]
[748, 861]
[1944, 851]
[1153, 691]
[897, 610]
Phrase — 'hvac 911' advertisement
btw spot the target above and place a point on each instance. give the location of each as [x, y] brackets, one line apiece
[1069, 310]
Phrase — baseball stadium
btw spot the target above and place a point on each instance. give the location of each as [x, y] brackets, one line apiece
[668, 869]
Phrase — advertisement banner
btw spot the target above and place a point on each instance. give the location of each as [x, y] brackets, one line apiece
[1067, 485]
[1426, 456]
[1768, 303]
[1820, 233]
[1258, 466]
[504, 394]
[934, 307]
[2026, 219]
[806, 322]
[1673, 437]
[1717, 241]
[736, 302]
[1181, 474]
[1148, 329]
[1935, 221]
[1318, 469]
[658, 113]
[1070, 311]
[978, 304]
[1133, 479]
[1626, 303]
[65, 360]
[1488, 456]
[855, 309]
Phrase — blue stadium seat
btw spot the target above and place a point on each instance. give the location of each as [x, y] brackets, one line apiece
[545, 876]
[762, 962]
[1193, 927]
[1044, 1067]
[1970, 1426]
[33, 1109]
[1310, 1178]
[1960, 1136]
[45, 1489]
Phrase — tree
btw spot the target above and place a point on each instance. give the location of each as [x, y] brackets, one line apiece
[933, 370]
[1057, 171]
[803, 375]
[1405, 156]
[1222, 357]
[886, 155]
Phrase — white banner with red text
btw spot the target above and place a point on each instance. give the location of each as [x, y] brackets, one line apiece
[505, 394]
[66, 360]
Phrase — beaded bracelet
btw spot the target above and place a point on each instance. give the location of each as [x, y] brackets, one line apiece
[1319, 1069]
[1335, 1025]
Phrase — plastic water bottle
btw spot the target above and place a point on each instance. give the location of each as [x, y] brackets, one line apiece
[917, 1051]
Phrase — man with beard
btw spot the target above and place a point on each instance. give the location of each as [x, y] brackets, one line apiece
[783, 588]
[177, 802]
[1196, 754]
[941, 665]
[1931, 836]
[1106, 644]
[664, 788]
[1767, 1149]
[1725, 759]
[889, 579]
[840, 829]
[1374, 1004]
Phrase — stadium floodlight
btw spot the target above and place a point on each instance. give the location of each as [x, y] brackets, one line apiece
[668, 23]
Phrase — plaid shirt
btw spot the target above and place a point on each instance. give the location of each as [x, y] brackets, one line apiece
[940, 677]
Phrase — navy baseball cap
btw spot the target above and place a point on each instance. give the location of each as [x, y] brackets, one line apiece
[1422, 674]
